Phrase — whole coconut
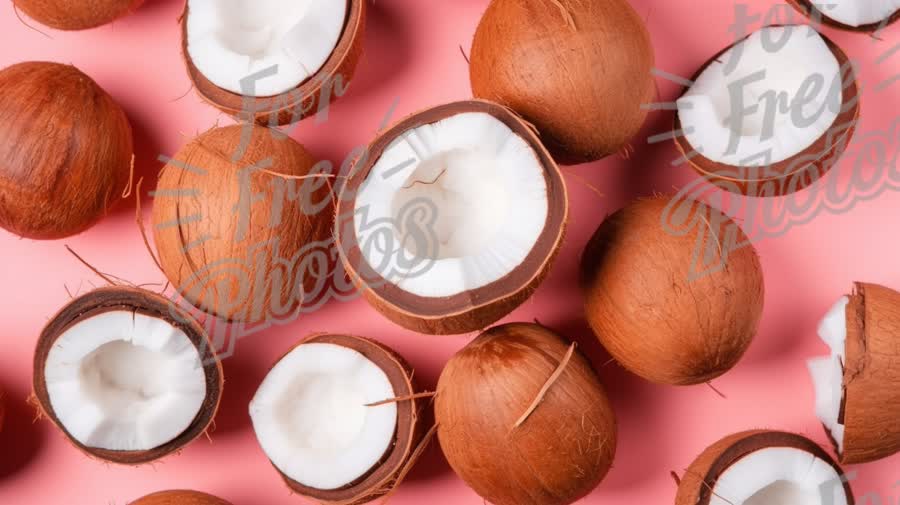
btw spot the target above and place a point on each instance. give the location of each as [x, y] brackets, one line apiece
[523, 419]
[76, 15]
[65, 150]
[179, 498]
[579, 70]
[242, 225]
[673, 289]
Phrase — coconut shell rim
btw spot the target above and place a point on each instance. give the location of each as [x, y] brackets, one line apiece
[807, 8]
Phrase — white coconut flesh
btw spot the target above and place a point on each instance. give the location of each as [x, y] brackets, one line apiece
[779, 476]
[485, 188]
[230, 40]
[858, 12]
[124, 381]
[828, 372]
[311, 419]
[796, 89]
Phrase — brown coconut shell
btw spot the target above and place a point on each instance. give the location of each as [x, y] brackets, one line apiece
[579, 71]
[147, 303]
[386, 474]
[179, 497]
[71, 15]
[239, 242]
[808, 9]
[871, 398]
[311, 96]
[65, 150]
[510, 449]
[699, 480]
[798, 171]
[471, 310]
[656, 312]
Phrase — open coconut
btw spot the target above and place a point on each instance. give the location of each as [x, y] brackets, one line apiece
[853, 15]
[338, 418]
[673, 289]
[579, 71]
[179, 497]
[272, 61]
[69, 15]
[857, 398]
[523, 418]
[240, 218]
[65, 150]
[771, 114]
[764, 468]
[127, 376]
[452, 218]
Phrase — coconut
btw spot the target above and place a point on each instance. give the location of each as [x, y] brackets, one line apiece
[339, 419]
[69, 15]
[579, 71]
[673, 289]
[272, 61]
[126, 375]
[867, 16]
[435, 252]
[523, 419]
[65, 150]
[801, 111]
[764, 468]
[179, 498]
[240, 220]
[856, 394]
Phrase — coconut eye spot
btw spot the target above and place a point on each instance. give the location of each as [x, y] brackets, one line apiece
[231, 40]
[466, 201]
[124, 381]
[764, 100]
[858, 12]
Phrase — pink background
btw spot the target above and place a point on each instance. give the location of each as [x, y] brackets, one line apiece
[413, 56]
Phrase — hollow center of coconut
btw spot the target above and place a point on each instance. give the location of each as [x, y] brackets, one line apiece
[262, 47]
[779, 476]
[124, 381]
[828, 372]
[311, 419]
[858, 12]
[766, 99]
[464, 201]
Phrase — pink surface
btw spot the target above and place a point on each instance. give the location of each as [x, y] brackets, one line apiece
[413, 57]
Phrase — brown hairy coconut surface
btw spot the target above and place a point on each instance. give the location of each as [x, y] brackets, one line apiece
[578, 70]
[809, 9]
[179, 498]
[143, 302]
[673, 289]
[871, 396]
[311, 96]
[65, 150]
[76, 15]
[699, 480]
[523, 419]
[239, 220]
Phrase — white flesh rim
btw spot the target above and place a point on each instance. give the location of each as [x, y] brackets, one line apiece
[828, 372]
[779, 476]
[311, 419]
[231, 40]
[484, 192]
[858, 12]
[764, 100]
[124, 381]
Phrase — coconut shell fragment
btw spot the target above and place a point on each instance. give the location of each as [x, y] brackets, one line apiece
[179, 497]
[71, 15]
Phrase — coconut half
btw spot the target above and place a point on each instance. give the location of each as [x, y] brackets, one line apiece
[127, 377]
[764, 468]
[452, 218]
[314, 419]
[771, 114]
[853, 15]
[856, 395]
[274, 61]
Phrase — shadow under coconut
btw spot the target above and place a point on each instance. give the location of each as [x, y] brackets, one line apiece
[147, 149]
[22, 437]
